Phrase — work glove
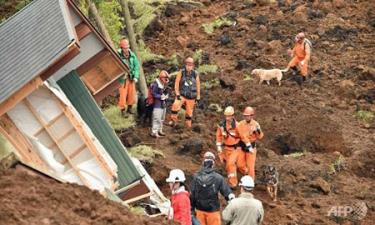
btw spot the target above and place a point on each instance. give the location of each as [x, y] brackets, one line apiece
[219, 148]
[135, 80]
[164, 97]
[302, 62]
[197, 100]
[249, 148]
[178, 97]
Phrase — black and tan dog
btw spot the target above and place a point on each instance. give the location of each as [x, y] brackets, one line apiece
[271, 180]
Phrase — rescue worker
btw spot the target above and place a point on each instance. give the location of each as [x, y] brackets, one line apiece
[127, 89]
[205, 187]
[301, 55]
[244, 210]
[187, 88]
[159, 95]
[249, 131]
[227, 139]
[180, 210]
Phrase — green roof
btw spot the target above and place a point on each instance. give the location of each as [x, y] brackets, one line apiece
[80, 97]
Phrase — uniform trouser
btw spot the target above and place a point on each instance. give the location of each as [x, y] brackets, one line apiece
[297, 62]
[246, 162]
[127, 94]
[208, 218]
[158, 116]
[230, 155]
[189, 108]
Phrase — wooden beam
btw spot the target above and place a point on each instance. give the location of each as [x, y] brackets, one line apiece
[20, 142]
[72, 52]
[67, 134]
[82, 69]
[51, 122]
[108, 90]
[75, 153]
[43, 123]
[82, 30]
[87, 140]
[38, 132]
[20, 95]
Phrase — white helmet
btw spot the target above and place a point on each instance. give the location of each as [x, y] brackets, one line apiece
[209, 155]
[247, 182]
[176, 175]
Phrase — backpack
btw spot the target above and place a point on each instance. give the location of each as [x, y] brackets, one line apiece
[150, 97]
[206, 191]
[307, 41]
[188, 91]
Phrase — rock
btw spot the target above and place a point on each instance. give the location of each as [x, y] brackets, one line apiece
[46, 221]
[316, 160]
[184, 20]
[227, 82]
[316, 205]
[338, 4]
[275, 46]
[129, 138]
[262, 30]
[326, 7]
[196, 128]
[191, 146]
[290, 216]
[265, 2]
[299, 17]
[225, 39]
[280, 13]
[321, 185]
[261, 20]
[182, 41]
[242, 64]
[215, 107]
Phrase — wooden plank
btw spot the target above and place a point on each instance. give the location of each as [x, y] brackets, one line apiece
[110, 89]
[72, 52]
[85, 67]
[36, 115]
[75, 8]
[82, 30]
[67, 134]
[20, 95]
[20, 142]
[55, 119]
[75, 153]
[38, 132]
[87, 140]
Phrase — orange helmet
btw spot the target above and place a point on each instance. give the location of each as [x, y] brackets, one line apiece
[249, 111]
[124, 43]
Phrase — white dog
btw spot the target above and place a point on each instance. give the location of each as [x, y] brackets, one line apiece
[267, 75]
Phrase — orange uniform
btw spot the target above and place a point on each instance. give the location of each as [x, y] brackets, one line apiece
[249, 134]
[127, 94]
[209, 218]
[227, 139]
[187, 87]
[301, 52]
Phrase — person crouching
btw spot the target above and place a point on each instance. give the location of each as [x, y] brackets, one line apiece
[160, 95]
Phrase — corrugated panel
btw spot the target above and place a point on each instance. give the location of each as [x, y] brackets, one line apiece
[81, 99]
[29, 42]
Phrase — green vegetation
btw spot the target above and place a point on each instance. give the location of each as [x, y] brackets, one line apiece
[337, 166]
[110, 11]
[146, 54]
[248, 77]
[173, 61]
[118, 122]
[137, 210]
[210, 84]
[22, 4]
[209, 28]
[204, 69]
[5, 147]
[365, 116]
[197, 56]
[145, 153]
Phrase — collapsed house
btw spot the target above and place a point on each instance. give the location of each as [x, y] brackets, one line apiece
[55, 67]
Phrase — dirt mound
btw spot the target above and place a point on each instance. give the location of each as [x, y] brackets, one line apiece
[27, 199]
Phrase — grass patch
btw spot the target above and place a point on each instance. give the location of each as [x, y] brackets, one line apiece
[365, 116]
[248, 77]
[296, 154]
[209, 28]
[117, 121]
[337, 166]
[197, 56]
[173, 61]
[145, 153]
[137, 210]
[211, 83]
[5, 147]
[208, 69]
[146, 54]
